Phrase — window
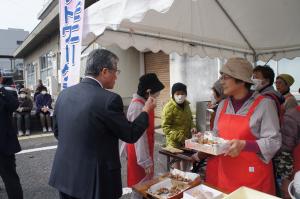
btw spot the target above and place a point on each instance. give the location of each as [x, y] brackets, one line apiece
[46, 62]
[30, 75]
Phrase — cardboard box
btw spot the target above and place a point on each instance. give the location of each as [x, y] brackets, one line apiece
[202, 191]
[248, 193]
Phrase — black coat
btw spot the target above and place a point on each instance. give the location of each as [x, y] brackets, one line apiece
[89, 123]
[9, 143]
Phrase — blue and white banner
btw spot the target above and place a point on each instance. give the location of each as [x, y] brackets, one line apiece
[71, 20]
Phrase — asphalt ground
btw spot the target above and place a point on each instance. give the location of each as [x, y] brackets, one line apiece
[34, 167]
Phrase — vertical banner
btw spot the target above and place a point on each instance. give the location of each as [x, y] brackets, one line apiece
[71, 20]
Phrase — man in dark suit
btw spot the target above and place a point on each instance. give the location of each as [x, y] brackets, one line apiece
[9, 144]
[89, 121]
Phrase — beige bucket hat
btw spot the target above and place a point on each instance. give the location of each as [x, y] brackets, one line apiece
[238, 68]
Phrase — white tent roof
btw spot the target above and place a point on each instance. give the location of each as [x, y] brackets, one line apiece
[271, 27]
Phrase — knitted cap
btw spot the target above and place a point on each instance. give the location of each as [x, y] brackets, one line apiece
[289, 80]
[178, 87]
[149, 81]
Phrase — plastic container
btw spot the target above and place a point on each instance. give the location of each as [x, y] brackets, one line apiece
[202, 191]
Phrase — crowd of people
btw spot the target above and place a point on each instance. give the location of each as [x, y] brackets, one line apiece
[262, 127]
[40, 106]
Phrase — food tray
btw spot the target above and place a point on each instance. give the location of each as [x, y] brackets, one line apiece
[202, 192]
[212, 145]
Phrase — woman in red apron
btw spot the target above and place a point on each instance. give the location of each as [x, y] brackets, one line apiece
[140, 155]
[250, 123]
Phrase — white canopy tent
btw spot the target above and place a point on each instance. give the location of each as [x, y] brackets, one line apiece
[256, 29]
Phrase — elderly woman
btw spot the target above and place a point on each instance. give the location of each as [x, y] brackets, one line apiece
[250, 122]
[283, 83]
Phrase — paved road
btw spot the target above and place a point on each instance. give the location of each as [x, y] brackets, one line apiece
[34, 167]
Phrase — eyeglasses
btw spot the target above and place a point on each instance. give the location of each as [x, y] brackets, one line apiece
[114, 70]
[225, 77]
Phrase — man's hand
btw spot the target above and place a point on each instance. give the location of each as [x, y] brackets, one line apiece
[235, 147]
[149, 105]
[19, 109]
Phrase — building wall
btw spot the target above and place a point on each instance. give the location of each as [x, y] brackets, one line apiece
[8, 43]
[197, 73]
[49, 44]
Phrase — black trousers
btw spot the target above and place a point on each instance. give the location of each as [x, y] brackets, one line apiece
[10, 177]
[65, 196]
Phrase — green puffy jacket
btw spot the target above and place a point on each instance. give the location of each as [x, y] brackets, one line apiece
[177, 123]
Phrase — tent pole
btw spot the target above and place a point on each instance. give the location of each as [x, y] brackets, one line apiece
[237, 28]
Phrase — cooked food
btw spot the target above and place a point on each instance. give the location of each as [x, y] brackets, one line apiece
[173, 150]
[179, 178]
[162, 190]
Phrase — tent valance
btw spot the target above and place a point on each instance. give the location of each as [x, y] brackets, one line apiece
[256, 29]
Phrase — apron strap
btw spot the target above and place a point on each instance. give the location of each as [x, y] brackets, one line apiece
[138, 100]
[254, 105]
[224, 107]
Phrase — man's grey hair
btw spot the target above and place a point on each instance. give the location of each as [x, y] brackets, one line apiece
[99, 59]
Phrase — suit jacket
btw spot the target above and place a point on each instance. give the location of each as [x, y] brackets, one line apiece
[89, 121]
[9, 143]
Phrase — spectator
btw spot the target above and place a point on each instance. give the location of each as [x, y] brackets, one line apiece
[43, 106]
[283, 84]
[39, 89]
[9, 144]
[24, 110]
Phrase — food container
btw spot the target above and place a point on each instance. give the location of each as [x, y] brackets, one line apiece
[174, 184]
[202, 192]
[167, 189]
[207, 143]
[248, 193]
[187, 177]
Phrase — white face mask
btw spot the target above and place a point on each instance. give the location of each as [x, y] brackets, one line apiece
[22, 95]
[179, 99]
[258, 84]
[155, 95]
[44, 92]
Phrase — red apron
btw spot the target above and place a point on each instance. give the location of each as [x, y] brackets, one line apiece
[136, 173]
[296, 154]
[247, 169]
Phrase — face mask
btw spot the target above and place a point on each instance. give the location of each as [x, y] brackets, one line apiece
[155, 95]
[44, 92]
[22, 95]
[257, 84]
[179, 99]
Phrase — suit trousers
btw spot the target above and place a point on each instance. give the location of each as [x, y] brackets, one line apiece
[65, 196]
[10, 177]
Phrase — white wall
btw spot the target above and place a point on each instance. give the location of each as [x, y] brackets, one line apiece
[49, 44]
[129, 64]
[197, 73]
